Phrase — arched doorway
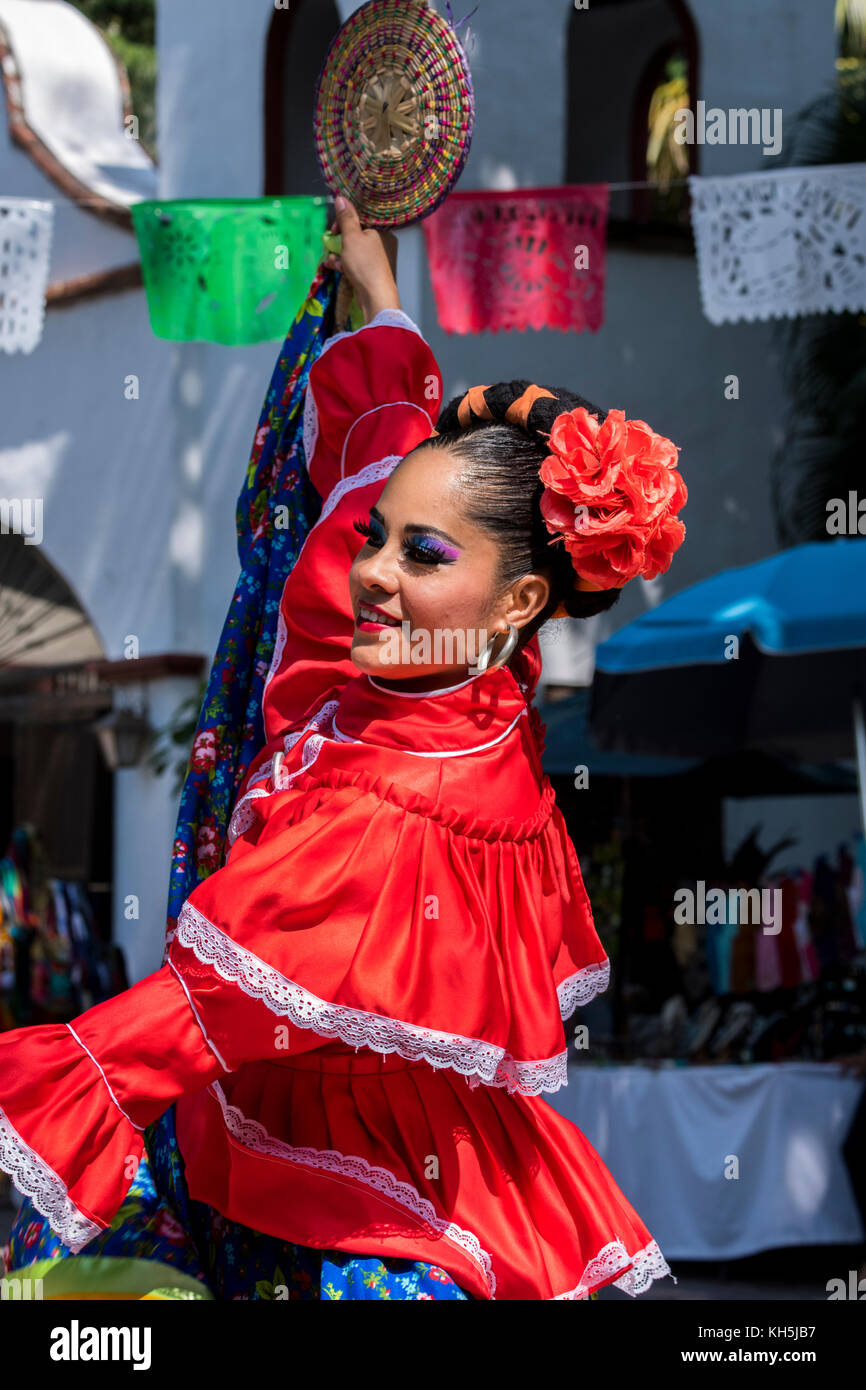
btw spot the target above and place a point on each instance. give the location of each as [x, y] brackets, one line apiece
[628, 60]
[298, 40]
[52, 776]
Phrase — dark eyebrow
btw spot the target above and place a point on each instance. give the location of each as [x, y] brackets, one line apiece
[414, 530]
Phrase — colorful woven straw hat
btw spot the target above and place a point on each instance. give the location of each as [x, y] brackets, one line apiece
[394, 111]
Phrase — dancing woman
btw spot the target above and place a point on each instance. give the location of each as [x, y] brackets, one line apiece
[360, 1011]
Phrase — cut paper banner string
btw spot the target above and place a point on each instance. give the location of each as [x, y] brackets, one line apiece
[526, 258]
[782, 244]
[226, 270]
[25, 253]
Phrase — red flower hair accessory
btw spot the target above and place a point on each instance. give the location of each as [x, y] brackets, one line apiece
[611, 494]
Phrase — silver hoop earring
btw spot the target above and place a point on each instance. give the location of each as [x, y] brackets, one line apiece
[484, 662]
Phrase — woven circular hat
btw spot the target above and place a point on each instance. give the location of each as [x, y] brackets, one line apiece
[394, 111]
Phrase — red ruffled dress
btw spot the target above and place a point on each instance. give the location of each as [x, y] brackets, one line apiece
[359, 1011]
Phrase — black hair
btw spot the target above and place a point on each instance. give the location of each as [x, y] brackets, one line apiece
[500, 481]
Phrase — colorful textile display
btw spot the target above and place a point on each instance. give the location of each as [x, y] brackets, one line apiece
[814, 931]
[275, 509]
[53, 962]
[335, 1083]
[227, 270]
[780, 244]
[25, 253]
[394, 111]
[530, 258]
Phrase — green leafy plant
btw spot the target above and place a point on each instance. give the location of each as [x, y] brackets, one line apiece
[667, 161]
[129, 27]
[177, 734]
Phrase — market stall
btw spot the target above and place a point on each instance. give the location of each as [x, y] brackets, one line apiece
[725, 1160]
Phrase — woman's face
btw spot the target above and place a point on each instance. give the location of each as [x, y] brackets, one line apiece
[424, 584]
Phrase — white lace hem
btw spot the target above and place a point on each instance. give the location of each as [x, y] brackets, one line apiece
[35, 1179]
[582, 986]
[243, 814]
[640, 1270]
[370, 473]
[471, 1057]
[529, 1078]
[254, 1136]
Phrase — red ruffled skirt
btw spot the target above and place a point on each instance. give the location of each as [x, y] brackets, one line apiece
[380, 1155]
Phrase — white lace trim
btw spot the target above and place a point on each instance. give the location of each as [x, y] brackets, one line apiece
[529, 1078]
[311, 423]
[582, 986]
[243, 814]
[254, 1136]
[395, 318]
[370, 473]
[468, 1056]
[279, 647]
[35, 1179]
[640, 1270]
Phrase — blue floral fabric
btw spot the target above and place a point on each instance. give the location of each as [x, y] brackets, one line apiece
[276, 507]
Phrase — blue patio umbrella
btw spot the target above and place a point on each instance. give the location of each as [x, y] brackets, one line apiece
[770, 656]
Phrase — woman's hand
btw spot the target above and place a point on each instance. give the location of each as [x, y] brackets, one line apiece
[368, 259]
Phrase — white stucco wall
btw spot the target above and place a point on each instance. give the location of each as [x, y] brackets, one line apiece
[139, 495]
[776, 53]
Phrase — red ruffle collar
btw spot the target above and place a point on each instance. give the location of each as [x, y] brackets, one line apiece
[461, 718]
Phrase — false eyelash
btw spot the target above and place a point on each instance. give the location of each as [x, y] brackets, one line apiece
[430, 552]
[422, 554]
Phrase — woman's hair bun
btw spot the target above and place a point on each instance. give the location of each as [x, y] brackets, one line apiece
[499, 435]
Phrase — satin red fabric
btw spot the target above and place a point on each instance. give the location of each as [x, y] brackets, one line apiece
[361, 1010]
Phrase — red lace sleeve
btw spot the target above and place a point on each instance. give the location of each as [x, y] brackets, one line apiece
[372, 396]
[371, 393]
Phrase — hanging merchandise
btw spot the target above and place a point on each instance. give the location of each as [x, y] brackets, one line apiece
[810, 967]
[25, 253]
[230, 733]
[227, 270]
[529, 258]
[53, 961]
[781, 244]
[394, 111]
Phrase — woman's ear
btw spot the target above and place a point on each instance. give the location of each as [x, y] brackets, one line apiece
[525, 599]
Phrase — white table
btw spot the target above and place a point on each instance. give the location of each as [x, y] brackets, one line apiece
[670, 1135]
